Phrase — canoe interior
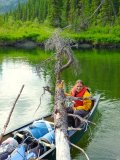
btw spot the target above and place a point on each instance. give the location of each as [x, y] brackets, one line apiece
[73, 134]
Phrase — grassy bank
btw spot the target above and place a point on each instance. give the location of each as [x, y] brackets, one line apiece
[14, 31]
[97, 35]
[22, 31]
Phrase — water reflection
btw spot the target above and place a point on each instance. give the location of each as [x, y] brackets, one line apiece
[99, 69]
[13, 76]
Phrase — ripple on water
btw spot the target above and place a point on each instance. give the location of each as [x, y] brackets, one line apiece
[105, 144]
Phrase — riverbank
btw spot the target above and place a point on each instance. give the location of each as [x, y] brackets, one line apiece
[34, 35]
[30, 44]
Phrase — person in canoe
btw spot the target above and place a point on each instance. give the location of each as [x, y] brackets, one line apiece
[83, 106]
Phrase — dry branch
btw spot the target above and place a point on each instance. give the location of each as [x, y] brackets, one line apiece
[63, 51]
[80, 150]
[9, 116]
[81, 119]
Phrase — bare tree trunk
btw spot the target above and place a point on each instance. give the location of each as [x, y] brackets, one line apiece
[60, 115]
[60, 118]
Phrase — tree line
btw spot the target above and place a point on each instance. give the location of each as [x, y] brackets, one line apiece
[80, 14]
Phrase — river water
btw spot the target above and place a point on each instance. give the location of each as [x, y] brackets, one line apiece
[99, 69]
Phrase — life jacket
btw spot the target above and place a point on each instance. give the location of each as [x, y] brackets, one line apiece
[78, 94]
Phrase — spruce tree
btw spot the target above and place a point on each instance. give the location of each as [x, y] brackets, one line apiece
[55, 8]
[106, 15]
[65, 12]
[95, 10]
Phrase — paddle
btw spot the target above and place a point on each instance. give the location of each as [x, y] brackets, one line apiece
[9, 116]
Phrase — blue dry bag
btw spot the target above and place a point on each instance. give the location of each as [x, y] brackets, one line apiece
[39, 128]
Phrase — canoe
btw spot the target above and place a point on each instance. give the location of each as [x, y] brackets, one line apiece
[36, 140]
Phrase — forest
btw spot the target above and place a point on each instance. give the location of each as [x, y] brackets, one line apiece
[92, 21]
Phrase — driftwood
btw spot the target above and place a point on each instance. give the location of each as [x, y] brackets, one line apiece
[62, 49]
[80, 150]
[9, 116]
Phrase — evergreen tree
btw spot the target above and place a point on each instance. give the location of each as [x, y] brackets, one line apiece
[65, 12]
[95, 10]
[117, 5]
[106, 15]
[54, 12]
[77, 13]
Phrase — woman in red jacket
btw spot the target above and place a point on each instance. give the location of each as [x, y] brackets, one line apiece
[81, 107]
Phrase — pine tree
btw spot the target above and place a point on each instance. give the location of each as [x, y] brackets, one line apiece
[117, 7]
[95, 10]
[106, 15]
[55, 7]
[79, 15]
[65, 12]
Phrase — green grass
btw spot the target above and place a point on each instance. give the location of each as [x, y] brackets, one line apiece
[13, 31]
[27, 30]
[95, 35]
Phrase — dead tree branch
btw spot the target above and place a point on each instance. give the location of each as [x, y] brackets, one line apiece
[63, 51]
[80, 150]
[10, 114]
[81, 119]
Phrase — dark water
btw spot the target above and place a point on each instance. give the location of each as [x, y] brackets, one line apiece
[99, 69]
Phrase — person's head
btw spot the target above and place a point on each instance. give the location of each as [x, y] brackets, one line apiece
[79, 81]
[79, 85]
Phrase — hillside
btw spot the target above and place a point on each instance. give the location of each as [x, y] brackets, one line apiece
[95, 23]
[7, 5]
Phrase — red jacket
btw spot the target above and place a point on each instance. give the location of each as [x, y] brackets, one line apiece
[78, 94]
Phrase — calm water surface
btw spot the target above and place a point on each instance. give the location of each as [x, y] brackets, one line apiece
[99, 69]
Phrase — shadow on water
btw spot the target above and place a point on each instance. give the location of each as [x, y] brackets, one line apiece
[88, 136]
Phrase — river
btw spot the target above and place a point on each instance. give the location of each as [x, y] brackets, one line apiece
[99, 69]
